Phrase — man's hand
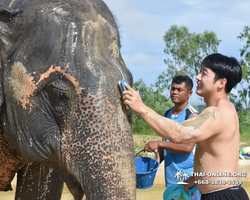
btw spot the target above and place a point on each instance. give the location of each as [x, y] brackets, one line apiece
[132, 98]
[190, 182]
[151, 146]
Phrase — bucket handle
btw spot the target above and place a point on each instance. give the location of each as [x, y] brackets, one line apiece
[143, 150]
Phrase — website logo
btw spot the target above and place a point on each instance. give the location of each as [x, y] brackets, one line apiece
[181, 176]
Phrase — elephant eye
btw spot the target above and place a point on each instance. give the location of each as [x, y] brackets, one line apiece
[59, 89]
[58, 97]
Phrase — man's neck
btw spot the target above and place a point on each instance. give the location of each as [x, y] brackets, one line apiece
[213, 100]
[178, 107]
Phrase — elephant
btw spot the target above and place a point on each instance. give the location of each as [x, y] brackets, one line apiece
[62, 119]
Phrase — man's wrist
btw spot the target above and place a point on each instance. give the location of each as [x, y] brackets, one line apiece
[144, 110]
[161, 144]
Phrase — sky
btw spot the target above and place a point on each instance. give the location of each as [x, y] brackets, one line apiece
[143, 23]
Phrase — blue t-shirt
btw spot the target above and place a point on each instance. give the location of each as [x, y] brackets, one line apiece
[183, 163]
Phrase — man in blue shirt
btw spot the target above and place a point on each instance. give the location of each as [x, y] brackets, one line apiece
[178, 158]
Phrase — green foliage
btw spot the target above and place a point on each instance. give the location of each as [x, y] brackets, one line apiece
[244, 120]
[237, 102]
[185, 52]
[154, 99]
[199, 108]
[244, 92]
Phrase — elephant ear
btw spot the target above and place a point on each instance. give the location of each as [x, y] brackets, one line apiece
[6, 13]
[1, 88]
[6, 16]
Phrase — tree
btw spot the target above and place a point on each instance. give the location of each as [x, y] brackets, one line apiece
[154, 99]
[185, 52]
[244, 120]
[244, 92]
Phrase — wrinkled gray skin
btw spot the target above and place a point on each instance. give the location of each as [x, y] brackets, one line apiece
[61, 109]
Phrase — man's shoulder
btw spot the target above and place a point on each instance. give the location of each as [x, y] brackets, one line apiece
[210, 109]
[219, 109]
[214, 112]
[191, 112]
[168, 111]
[223, 108]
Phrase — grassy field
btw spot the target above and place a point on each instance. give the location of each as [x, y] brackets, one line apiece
[141, 140]
[245, 136]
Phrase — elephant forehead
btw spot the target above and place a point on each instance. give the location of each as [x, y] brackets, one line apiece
[95, 47]
[94, 44]
[23, 85]
[96, 30]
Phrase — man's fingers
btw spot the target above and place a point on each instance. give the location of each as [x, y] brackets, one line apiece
[126, 97]
[127, 92]
[127, 86]
[147, 148]
[186, 189]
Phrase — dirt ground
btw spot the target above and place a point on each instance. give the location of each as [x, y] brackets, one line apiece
[156, 193]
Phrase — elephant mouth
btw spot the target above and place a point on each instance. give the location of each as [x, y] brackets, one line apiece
[11, 161]
[6, 188]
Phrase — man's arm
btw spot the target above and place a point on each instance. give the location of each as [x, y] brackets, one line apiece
[180, 148]
[177, 148]
[170, 146]
[193, 130]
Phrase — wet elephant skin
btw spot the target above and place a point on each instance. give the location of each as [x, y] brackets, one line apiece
[62, 119]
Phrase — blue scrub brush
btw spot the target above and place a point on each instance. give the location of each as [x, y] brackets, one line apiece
[122, 87]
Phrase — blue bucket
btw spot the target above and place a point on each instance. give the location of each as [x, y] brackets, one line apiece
[146, 169]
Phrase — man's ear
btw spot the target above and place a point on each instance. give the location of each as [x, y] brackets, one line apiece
[190, 92]
[222, 83]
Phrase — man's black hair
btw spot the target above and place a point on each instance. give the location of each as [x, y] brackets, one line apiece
[183, 79]
[224, 67]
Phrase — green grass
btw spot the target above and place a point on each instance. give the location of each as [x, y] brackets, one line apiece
[141, 140]
[245, 136]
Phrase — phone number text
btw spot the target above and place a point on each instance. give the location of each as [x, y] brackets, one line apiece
[218, 182]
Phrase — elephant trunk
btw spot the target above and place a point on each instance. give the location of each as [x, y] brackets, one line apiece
[99, 151]
[113, 181]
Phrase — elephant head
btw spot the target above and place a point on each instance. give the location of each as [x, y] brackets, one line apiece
[60, 102]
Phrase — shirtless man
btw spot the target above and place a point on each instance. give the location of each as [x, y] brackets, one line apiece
[215, 130]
